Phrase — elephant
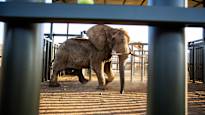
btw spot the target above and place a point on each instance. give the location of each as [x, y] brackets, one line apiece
[94, 52]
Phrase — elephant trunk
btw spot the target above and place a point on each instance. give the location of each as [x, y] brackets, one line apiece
[122, 59]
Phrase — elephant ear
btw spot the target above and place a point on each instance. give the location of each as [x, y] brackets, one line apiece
[120, 33]
[115, 33]
[98, 35]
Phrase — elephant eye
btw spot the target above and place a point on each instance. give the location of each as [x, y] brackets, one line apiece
[113, 38]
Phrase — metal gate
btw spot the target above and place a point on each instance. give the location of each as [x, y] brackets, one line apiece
[196, 60]
[47, 55]
[49, 50]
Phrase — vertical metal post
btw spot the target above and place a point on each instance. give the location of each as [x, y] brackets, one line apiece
[51, 32]
[203, 33]
[44, 61]
[52, 50]
[193, 65]
[47, 60]
[203, 64]
[166, 80]
[204, 26]
[21, 68]
[50, 59]
[131, 65]
[142, 63]
[67, 30]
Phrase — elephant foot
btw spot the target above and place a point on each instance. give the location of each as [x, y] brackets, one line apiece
[54, 84]
[107, 81]
[84, 81]
[102, 88]
[122, 92]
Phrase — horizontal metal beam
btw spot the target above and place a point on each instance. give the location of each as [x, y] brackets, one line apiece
[64, 35]
[115, 14]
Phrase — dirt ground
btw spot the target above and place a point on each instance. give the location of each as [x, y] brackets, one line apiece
[196, 98]
[73, 98]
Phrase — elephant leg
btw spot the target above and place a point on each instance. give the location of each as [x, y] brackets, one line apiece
[56, 71]
[99, 70]
[108, 71]
[62, 72]
[54, 80]
[81, 76]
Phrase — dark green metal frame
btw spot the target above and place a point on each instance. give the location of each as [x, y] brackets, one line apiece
[21, 66]
[115, 14]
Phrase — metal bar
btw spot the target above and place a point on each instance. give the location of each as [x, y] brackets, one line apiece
[166, 80]
[203, 64]
[142, 63]
[134, 62]
[46, 60]
[43, 62]
[48, 39]
[51, 32]
[191, 64]
[131, 79]
[204, 26]
[116, 14]
[196, 64]
[52, 50]
[79, 35]
[196, 41]
[21, 67]
[67, 32]
[204, 33]
[50, 35]
[49, 59]
[193, 61]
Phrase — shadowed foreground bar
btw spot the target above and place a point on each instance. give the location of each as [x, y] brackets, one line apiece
[21, 68]
[166, 80]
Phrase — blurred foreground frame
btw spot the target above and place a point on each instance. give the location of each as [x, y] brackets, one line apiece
[101, 14]
[32, 13]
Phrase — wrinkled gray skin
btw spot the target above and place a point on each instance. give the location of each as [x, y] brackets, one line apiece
[93, 52]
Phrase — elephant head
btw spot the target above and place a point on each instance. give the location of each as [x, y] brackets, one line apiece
[102, 36]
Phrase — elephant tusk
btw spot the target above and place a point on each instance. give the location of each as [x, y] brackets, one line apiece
[120, 54]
